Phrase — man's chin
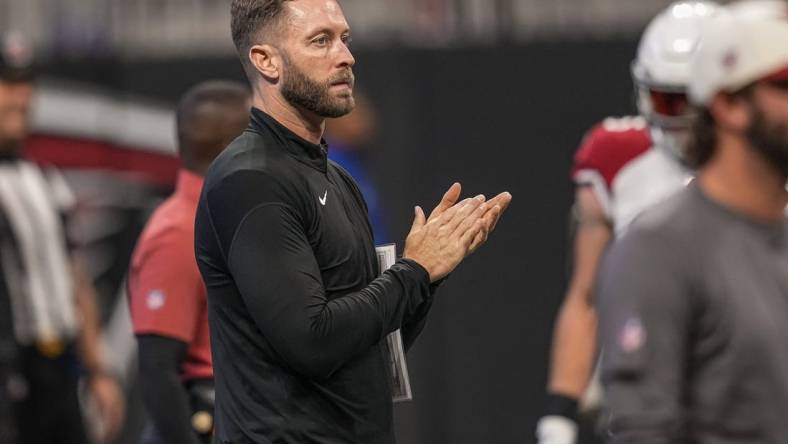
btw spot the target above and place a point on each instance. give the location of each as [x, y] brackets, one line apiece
[349, 103]
[342, 107]
[337, 113]
[342, 95]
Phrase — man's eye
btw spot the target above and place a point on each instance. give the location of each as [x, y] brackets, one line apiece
[321, 41]
[347, 40]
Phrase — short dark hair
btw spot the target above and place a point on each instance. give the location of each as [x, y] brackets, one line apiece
[248, 19]
[702, 143]
[17, 60]
[209, 116]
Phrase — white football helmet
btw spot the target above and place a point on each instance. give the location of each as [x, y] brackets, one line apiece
[661, 71]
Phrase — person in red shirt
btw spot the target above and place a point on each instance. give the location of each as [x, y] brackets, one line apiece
[166, 292]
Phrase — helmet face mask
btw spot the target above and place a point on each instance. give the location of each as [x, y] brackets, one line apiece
[666, 108]
[672, 141]
[669, 116]
[662, 104]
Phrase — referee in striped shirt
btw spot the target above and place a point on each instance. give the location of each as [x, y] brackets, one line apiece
[49, 331]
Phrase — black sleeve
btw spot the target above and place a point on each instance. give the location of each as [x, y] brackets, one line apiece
[645, 310]
[274, 267]
[412, 327]
[165, 397]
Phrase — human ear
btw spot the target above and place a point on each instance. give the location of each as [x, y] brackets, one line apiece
[732, 112]
[266, 60]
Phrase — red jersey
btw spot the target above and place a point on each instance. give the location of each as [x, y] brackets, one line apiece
[627, 174]
[166, 292]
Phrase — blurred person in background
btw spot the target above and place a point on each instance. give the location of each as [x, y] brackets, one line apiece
[348, 139]
[167, 295]
[624, 166]
[298, 309]
[693, 300]
[49, 326]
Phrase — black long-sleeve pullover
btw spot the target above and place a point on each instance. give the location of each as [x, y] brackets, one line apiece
[298, 311]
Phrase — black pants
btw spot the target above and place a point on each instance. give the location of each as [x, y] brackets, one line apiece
[50, 413]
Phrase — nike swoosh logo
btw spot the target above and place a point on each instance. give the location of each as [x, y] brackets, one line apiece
[323, 199]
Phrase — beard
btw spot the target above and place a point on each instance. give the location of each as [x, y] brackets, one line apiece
[10, 148]
[770, 140]
[302, 91]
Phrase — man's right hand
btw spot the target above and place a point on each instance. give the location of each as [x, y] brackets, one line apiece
[441, 242]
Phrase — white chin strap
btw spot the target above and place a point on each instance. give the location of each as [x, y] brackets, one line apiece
[672, 140]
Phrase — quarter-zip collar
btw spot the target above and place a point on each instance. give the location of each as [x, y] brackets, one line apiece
[302, 150]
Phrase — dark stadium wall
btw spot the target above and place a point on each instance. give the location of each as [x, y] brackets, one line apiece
[503, 118]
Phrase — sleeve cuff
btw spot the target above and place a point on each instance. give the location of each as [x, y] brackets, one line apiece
[422, 272]
[435, 285]
[561, 405]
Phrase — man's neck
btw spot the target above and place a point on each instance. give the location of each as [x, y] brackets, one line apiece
[305, 124]
[739, 178]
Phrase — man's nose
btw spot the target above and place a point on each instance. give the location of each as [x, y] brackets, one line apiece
[346, 58]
